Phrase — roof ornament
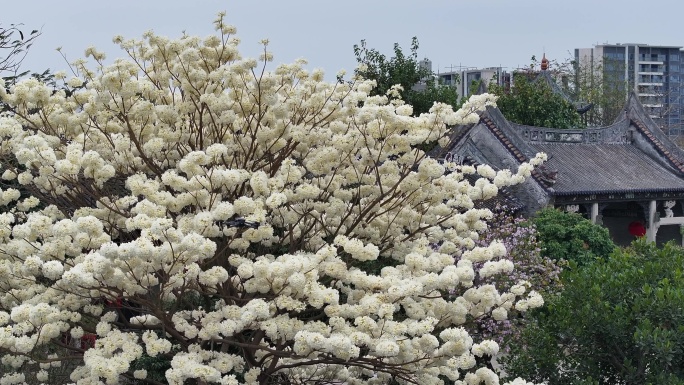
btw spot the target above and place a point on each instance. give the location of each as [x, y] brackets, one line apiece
[668, 208]
[545, 76]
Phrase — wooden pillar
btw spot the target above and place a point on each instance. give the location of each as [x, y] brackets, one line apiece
[652, 230]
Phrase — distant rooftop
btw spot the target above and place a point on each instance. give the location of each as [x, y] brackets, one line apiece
[636, 44]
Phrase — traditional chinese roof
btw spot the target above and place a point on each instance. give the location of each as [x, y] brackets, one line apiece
[504, 200]
[630, 156]
[606, 168]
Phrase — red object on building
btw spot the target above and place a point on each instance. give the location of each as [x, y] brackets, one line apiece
[115, 304]
[637, 229]
[86, 342]
[544, 63]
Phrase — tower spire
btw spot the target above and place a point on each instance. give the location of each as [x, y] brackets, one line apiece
[544, 63]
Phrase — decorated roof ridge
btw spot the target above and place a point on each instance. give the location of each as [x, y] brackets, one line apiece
[504, 197]
[655, 136]
[460, 134]
[461, 131]
[507, 136]
[620, 123]
[511, 134]
[658, 145]
[545, 179]
[503, 139]
[457, 134]
[620, 191]
[545, 76]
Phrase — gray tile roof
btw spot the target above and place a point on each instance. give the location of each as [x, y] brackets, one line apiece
[606, 168]
[630, 156]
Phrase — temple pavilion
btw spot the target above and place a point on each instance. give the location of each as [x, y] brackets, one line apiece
[627, 176]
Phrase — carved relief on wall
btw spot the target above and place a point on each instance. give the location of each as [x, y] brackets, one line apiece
[573, 137]
[572, 208]
[454, 157]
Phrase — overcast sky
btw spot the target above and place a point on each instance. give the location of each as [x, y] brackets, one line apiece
[476, 33]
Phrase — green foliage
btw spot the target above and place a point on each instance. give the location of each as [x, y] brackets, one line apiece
[571, 237]
[617, 321]
[156, 367]
[524, 249]
[601, 85]
[534, 103]
[14, 45]
[405, 70]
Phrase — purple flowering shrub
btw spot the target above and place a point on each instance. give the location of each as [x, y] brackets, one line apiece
[524, 250]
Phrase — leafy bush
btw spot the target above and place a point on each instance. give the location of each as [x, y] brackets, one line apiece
[571, 237]
[617, 321]
[534, 103]
[403, 69]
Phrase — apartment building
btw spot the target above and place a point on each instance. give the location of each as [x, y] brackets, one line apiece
[653, 72]
[470, 80]
[467, 80]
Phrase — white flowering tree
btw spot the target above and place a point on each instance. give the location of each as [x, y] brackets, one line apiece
[224, 223]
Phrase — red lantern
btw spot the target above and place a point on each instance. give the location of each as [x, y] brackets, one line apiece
[637, 229]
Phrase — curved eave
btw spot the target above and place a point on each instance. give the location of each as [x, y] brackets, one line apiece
[625, 191]
[584, 108]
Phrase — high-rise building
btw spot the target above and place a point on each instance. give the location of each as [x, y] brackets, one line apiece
[466, 80]
[653, 72]
[469, 80]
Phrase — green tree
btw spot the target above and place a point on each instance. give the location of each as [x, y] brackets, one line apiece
[571, 237]
[600, 83]
[617, 321]
[535, 103]
[420, 89]
[14, 46]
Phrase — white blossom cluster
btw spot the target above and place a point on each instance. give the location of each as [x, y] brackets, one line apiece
[256, 223]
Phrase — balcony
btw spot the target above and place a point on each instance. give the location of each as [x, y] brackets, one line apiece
[651, 59]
